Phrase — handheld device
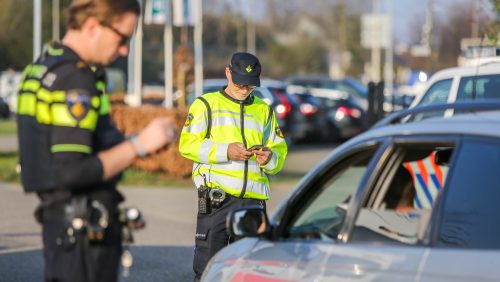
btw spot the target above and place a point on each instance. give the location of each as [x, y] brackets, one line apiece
[256, 147]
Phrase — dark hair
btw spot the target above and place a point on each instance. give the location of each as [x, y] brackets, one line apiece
[103, 10]
[401, 191]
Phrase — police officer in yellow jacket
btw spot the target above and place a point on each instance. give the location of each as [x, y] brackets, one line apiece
[220, 136]
[71, 154]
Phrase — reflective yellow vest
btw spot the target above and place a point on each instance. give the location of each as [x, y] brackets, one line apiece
[250, 122]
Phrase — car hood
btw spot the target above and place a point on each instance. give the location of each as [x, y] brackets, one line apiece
[307, 260]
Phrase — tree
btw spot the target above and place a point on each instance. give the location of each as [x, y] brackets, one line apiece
[494, 28]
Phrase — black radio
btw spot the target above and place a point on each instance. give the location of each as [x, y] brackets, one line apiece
[204, 200]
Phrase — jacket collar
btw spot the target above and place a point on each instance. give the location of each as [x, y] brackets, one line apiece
[247, 101]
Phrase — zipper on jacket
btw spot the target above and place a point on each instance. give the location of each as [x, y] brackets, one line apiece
[242, 128]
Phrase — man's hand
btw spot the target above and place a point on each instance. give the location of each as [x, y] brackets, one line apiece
[237, 152]
[158, 133]
[262, 155]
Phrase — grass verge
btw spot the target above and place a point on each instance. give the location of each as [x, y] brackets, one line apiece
[131, 177]
[8, 163]
[8, 127]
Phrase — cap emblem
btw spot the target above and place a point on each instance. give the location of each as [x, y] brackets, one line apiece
[249, 69]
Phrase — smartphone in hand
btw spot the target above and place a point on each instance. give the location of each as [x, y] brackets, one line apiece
[256, 147]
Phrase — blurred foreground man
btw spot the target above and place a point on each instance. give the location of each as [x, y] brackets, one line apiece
[71, 154]
[229, 171]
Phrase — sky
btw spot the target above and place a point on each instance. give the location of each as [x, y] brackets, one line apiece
[406, 12]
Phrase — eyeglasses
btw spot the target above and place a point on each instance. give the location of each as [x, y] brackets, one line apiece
[125, 39]
[242, 86]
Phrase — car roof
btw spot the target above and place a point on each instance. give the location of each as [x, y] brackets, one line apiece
[470, 124]
[313, 77]
[490, 68]
[268, 82]
[217, 82]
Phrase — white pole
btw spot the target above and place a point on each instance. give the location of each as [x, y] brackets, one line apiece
[388, 71]
[198, 47]
[130, 73]
[168, 52]
[37, 29]
[137, 98]
[251, 45]
[375, 54]
[55, 20]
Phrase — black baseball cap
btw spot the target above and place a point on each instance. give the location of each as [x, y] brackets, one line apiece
[245, 69]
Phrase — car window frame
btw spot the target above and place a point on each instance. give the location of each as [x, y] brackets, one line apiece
[393, 153]
[437, 217]
[317, 177]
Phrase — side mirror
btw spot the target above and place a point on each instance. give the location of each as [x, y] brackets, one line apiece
[250, 221]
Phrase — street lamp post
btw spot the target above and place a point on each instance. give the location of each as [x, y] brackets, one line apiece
[37, 29]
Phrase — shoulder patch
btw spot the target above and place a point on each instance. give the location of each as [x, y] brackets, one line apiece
[78, 102]
[189, 119]
[280, 133]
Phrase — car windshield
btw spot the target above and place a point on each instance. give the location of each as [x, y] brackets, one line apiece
[356, 86]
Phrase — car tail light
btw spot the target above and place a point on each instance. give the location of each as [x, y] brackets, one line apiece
[281, 111]
[283, 101]
[343, 112]
[308, 109]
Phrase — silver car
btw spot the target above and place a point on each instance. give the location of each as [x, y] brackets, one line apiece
[412, 201]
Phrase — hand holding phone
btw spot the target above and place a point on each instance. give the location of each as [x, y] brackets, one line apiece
[256, 147]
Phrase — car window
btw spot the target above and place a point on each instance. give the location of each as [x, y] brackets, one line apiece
[398, 208]
[323, 213]
[471, 207]
[479, 87]
[437, 93]
[341, 86]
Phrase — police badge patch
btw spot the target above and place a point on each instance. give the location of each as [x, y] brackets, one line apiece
[189, 119]
[78, 102]
[279, 133]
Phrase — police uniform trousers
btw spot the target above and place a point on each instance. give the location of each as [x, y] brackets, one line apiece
[211, 233]
[79, 260]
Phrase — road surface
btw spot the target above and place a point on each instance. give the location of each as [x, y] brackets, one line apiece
[162, 252]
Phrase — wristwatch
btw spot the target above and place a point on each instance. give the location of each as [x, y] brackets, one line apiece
[137, 145]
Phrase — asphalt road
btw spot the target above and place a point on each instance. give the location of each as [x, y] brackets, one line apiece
[162, 252]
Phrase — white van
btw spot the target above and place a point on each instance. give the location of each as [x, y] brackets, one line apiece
[461, 83]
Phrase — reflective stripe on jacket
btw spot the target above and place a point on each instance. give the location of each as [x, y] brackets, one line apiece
[247, 122]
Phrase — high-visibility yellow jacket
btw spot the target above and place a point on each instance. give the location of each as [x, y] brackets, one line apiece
[251, 122]
[63, 123]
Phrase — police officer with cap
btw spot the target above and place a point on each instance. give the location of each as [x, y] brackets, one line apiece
[71, 154]
[234, 140]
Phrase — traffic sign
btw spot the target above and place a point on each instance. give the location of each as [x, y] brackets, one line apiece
[375, 31]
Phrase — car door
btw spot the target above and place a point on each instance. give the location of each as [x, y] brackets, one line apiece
[308, 224]
[350, 218]
[389, 223]
[343, 225]
[466, 245]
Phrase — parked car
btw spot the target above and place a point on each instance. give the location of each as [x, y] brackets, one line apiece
[316, 114]
[480, 82]
[343, 116]
[336, 88]
[303, 119]
[413, 201]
